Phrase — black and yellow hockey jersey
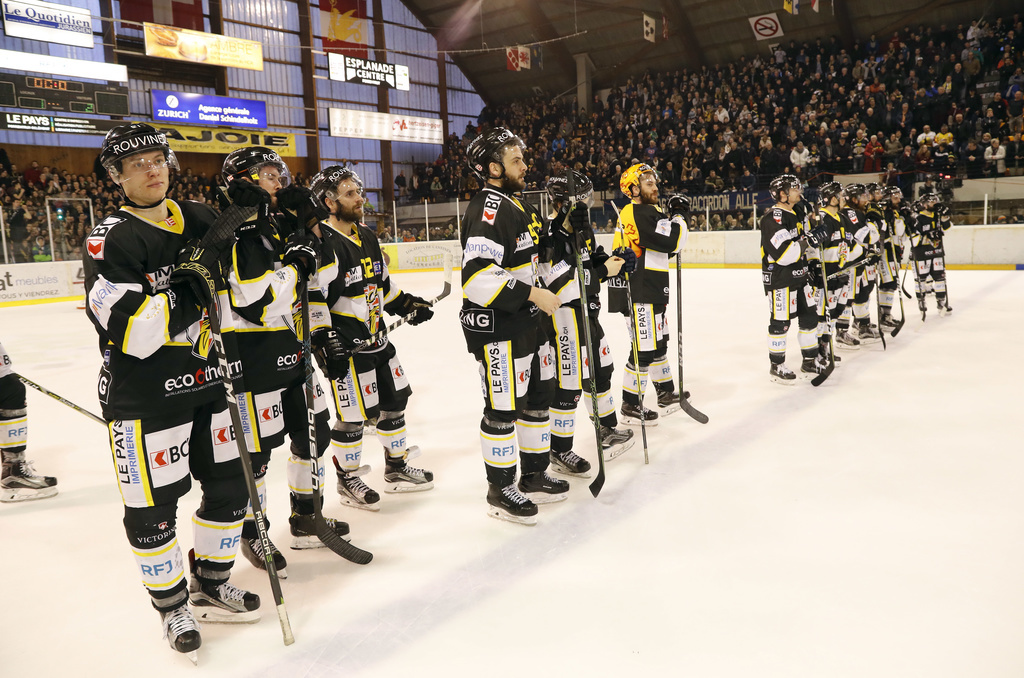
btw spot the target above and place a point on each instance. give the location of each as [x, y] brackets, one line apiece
[500, 265]
[265, 309]
[654, 238]
[782, 261]
[358, 289]
[127, 264]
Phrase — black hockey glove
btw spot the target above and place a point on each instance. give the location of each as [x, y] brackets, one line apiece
[302, 250]
[817, 235]
[560, 224]
[410, 303]
[183, 308]
[198, 268]
[942, 210]
[678, 205]
[934, 234]
[579, 218]
[330, 353]
[301, 202]
[629, 258]
[244, 193]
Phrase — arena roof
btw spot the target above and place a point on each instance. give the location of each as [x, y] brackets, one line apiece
[610, 32]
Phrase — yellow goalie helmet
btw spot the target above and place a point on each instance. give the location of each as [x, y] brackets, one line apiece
[631, 178]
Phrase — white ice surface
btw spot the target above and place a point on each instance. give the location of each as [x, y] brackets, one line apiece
[870, 527]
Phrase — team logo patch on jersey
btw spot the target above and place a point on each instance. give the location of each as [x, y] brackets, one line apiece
[354, 275]
[664, 227]
[158, 279]
[523, 242]
[491, 205]
[223, 435]
[477, 320]
[95, 247]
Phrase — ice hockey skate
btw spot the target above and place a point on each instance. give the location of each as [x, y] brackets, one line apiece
[401, 477]
[353, 491]
[944, 308]
[615, 442]
[629, 415]
[866, 333]
[812, 367]
[781, 374]
[303, 529]
[887, 323]
[508, 503]
[847, 341]
[252, 549]
[222, 603]
[540, 488]
[182, 631]
[569, 463]
[668, 401]
[19, 481]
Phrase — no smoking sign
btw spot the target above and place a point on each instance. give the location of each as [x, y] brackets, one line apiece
[766, 26]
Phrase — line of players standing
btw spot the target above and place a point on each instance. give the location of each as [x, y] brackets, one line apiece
[523, 320]
[821, 266]
[152, 273]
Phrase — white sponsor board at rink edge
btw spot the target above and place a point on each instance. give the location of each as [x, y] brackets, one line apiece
[353, 69]
[420, 255]
[48, 22]
[345, 122]
[21, 283]
[72, 68]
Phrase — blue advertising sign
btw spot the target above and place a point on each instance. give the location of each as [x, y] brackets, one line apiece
[206, 109]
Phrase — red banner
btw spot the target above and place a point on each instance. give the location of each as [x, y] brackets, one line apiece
[181, 13]
[344, 27]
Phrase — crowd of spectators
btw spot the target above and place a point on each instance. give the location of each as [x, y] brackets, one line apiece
[907, 107]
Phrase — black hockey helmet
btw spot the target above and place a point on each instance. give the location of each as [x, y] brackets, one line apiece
[325, 183]
[874, 190]
[127, 140]
[827, 191]
[490, 147]
[930, 197]
[558, 188]
[855, 192]
[247, 162]
[781, 185]
[893, 192]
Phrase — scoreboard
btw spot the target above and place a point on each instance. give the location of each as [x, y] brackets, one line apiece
[51, 95]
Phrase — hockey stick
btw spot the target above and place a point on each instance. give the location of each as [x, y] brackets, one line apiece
[683, 402]
[820, 378]
[878, 299]
[324, 532]
[636, 365]
[593, 356]
[920, 286]
[241, 408]
[363, 344]
[903, 312]
[76, 408]
[635, 338]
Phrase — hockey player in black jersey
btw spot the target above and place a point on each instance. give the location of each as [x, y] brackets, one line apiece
[893, 230]
[784, 271]
[838, 249]
[160, 388]
[18, 479]
[503, 298]
[574, 365]
[931, 219]
[270, 262]
[654, 237]
[370, 384]
[867, 225]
